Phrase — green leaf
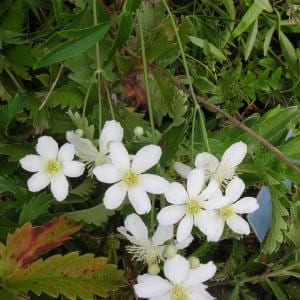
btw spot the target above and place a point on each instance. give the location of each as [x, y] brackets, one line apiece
[211, 50]
[265, 4]
[34, 208]
[248, 18]
[85, 188]
[96, 215]
[70, 275]
[251, 39]
[268, 39]
[278, 292]
[86, 38]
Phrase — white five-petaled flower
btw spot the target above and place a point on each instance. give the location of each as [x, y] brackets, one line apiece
[128, 177]
[51, 166]
[182, 283]
[188, 206]
[148, 249]
[227, 210]
[222, 171]
[88, 153]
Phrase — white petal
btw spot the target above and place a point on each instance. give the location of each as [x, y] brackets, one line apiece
[195, 182]
[119, 156]
[184, 228]
[114, 195]
[206, 162]
[171, 214]
[47, 147]
[199, 292]
[201, 274]
[235, 189]
[73, 168]
[209, 191]
[139, 200]
[176, 269]
[154, 184]
[164, 297]
[176, 193]
[108, 173]
[216, 203]
[234, 155]
[151, 286]
[32, 163]
[211, 224]
[184, 244]
[59, 187]
[135, 225]
[162, 234]
[129, 237]
[146, 158]
[38, 181]
[246, 205]
[238, 224]
[112, 131]
[66, 152]
[182, 169]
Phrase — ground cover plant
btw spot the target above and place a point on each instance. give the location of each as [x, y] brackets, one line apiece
[149, 149]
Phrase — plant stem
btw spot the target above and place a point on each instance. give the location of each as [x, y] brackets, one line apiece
[13, 78]
[193, 132]
[203, 129]
[193, 95]
[87, 97]
[145, 67]
[98, 71]
[109, 101]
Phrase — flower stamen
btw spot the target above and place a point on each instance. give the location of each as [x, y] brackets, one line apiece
[226, 212]
[193, 207]
[178, 293]
[53, 166]
[131, 179]
[150, 254]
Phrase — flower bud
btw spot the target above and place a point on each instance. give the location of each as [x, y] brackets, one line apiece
[153, 269]
[79, 132]
[170, 251]
[194, 262]
[138, 131]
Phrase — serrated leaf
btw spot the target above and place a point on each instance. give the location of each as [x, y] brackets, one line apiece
[85, 188]
[70, 275]
[34, 208]
[96, 215]
[35, 241]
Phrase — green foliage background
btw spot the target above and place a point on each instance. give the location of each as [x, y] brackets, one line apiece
[243, 56]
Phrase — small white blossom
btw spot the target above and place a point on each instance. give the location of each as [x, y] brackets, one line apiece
[138, 131]
[227, 210]
[87, 152]
[52, 166]
[189, 206]
[182, 283]
[128, 178]
[222, 171]
[147, 249]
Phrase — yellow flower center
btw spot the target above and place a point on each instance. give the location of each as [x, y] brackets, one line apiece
[53, 166]
[131, 179]
[226, 212]
[193, 207]
[178, 293]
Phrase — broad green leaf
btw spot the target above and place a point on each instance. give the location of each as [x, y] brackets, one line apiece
[268, 39]
[57, 7]
[70, 275]
[265, 4]
[96, 215]
[278, 292]
[212, 50]
[251, 39]
[249, 17]
[88, 37]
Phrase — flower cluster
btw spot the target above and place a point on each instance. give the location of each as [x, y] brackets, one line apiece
[209, 199]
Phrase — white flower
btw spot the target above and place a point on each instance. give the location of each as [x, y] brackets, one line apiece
[129, 178]
[188, 206]
[222, 171]
[227, 210]
[88, 153]
[182, 283]
[51, 166]
[147, 249]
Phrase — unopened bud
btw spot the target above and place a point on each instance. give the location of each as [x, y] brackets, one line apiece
[194, 262]
[138, 131]
[170, 251]
[153, 269]
[79, 132]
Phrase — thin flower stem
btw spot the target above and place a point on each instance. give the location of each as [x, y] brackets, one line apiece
[52, 87]
[145, 67]
[13, 78]
[109, 101]
[203, 129]
[193, 132]
[189, 79]
[98, 71]
[86, 98]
